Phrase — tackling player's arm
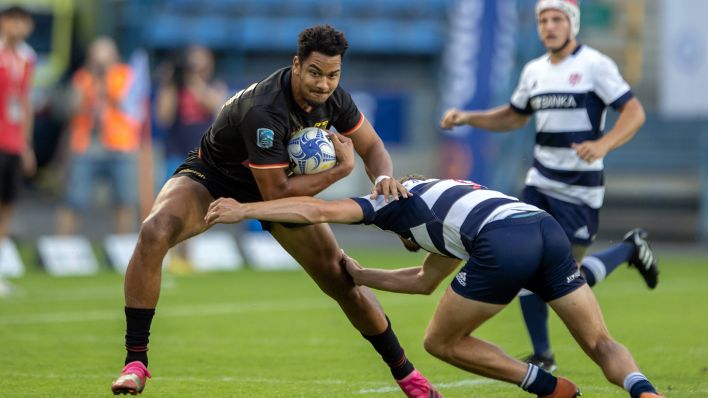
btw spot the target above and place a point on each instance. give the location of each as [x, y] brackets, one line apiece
[500, 119]
[415, 280]
[300, 210]
[377, 160]
[274, 182]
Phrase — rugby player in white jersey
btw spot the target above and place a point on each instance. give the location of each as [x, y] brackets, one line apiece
[569, 89]
[506, 244]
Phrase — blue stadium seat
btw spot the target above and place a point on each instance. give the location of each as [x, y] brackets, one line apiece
[171, 31]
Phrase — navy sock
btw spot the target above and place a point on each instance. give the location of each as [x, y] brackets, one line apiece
[636, 383]
[387, 345]
[597, 266]
[535, 313]
[538, 381]
[137, 333]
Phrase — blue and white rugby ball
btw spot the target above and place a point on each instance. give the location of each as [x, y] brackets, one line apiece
[311, 151]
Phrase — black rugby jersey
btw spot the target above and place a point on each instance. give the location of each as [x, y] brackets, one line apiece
[253, 126]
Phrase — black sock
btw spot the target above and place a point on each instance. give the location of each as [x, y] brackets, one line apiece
[538, 381]
[137, 331]
[387, 345]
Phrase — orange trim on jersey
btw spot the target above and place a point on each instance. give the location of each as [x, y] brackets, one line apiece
[356, 127]
[268, 166]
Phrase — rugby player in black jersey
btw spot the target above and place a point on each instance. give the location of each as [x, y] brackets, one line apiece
[243, 155]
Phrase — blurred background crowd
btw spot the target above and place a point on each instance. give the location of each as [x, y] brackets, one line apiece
[124, 88]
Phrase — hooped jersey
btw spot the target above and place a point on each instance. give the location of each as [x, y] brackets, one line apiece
[569, 101]
[442, 216]
[253, 127]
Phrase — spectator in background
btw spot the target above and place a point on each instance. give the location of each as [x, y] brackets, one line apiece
[104, 138]
[185, 105]
[17, 61]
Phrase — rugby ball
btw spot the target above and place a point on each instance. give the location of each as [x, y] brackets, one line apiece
[311, 151]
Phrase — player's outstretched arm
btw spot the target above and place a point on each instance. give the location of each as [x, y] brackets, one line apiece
[415, 280]
[501, 118]
[299, 210]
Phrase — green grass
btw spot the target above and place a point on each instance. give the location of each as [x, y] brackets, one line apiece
[273, 334]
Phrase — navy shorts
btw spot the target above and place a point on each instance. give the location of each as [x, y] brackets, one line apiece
[580, 222]
[507, 255]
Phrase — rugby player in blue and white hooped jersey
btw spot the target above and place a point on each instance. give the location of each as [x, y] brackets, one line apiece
[568, 89]
[506, 244]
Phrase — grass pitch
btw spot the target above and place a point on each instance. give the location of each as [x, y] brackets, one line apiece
[273, 334]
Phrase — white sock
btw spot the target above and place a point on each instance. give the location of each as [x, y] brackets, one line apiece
[632, 379]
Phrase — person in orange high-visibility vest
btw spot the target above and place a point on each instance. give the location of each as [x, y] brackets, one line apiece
[104, 138]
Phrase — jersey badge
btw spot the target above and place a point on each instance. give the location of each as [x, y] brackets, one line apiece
[265, 138]
[575, 78]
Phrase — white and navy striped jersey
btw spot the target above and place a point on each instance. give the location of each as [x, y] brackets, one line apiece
[442, 216]
[569, 101]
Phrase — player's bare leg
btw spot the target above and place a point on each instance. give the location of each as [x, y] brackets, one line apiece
[322, 261]
[535, 312]
[580, 312]
[448, 338]
[315, 248]
[177, 214]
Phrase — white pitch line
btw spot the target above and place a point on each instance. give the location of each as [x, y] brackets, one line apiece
[454, 384]
[262, 380]
[175, 311]
[255, 380]
[206, 380]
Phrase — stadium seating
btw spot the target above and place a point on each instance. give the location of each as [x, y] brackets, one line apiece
[394, 26]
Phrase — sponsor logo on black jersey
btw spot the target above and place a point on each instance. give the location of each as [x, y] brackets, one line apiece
[199, 175]
[321, 124]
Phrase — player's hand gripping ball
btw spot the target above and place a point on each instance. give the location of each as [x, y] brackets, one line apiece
[311, 151]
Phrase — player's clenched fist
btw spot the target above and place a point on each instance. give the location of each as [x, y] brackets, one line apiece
[453, 117]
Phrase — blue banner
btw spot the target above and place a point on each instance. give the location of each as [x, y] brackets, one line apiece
[477, 64]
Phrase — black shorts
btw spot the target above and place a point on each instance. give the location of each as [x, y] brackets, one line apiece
[222, 186]
[10, 177]
[218, 184]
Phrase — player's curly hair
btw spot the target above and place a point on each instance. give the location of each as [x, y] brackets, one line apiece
[409, 177]
[322, 39]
